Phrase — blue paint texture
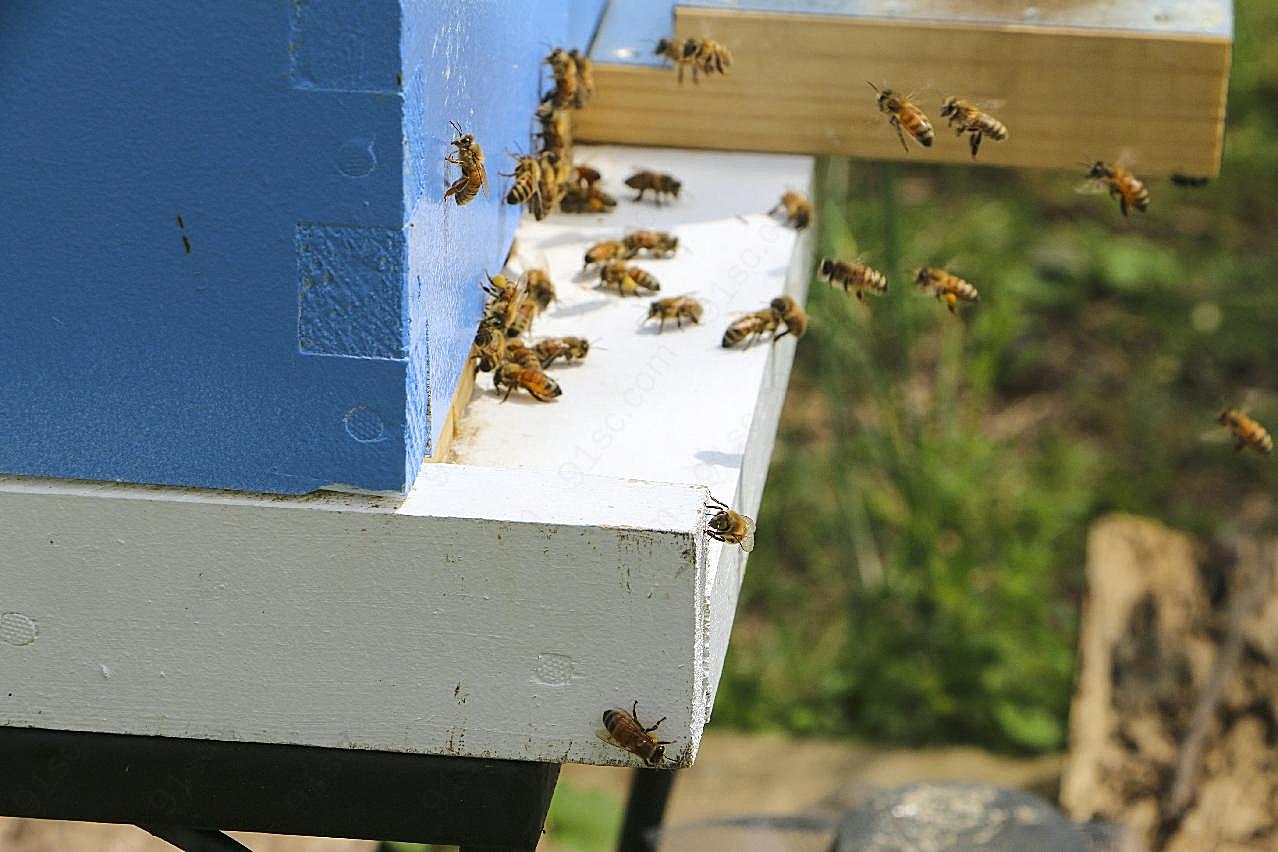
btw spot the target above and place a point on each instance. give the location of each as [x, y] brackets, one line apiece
[325, 307]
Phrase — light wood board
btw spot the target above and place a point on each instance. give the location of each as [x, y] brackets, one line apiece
[1155, 100]
[503, 604]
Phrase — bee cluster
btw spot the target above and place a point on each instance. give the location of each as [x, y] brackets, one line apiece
[547, 179]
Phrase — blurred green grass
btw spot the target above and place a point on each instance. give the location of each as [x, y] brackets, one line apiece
[939, 570]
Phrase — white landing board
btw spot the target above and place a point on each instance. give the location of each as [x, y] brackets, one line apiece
[556, 566]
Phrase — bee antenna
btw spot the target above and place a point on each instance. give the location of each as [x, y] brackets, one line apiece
[872, 86]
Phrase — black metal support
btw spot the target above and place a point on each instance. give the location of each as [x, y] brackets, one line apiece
[205, 784]
[649, 793]
[195, 839]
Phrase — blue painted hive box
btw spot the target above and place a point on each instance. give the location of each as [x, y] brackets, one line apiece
[225, 258]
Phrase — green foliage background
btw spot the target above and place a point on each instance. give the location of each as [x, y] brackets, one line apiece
[937, 571]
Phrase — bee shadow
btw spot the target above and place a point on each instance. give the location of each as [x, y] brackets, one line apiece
[651, 328]
[718, 459]
[580, 309]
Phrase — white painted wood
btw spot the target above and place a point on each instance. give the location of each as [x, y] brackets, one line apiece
[503, 604]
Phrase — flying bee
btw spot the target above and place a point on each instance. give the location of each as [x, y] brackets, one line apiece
[947, 288]
[585, 78]
[708, 56]
[677, 308]
[791, 315]
[728, 526]
[797, 208]
[586, 177]
[660, 184]
[627, 280]
[1246, 431]
[526, 188]
[470, 157]
[570, 349]
[904, 117]
[539, 287]
[750, 328]
[675, 51]
[591, 200]
[564, 93]
[1121, 183]
[656, 243]
[556, 130]
[966, 117]
[606, 251]
[629, 733]
[531, 379]
[856, 277]
[489, 349]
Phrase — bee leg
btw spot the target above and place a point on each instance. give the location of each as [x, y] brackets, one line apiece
[1122, 204]
[975, 139]
[654, 727]
[900, 133]
[509, 390]
[859, 296]
[661, 326]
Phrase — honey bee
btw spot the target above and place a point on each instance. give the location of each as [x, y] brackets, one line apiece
[503, 300]
[708, 56]
[968, 118]
[674, 50]
[585, 78]
[656, 243]
[521, 323]
[1248, 432]
[556, 130]
[605, 251]
[660, 184]
[630, 734]
[856, 277]
[548, 186]
[627, 280]
[489, 349]
[527, 183]
[728, 526]
[531, 379]
[592, 200]
[947, 288]
[677, 308]
[750, 328]
[564, 94]
[586, 177]
[798, 210]
[470, 157]
[1129, 189]
[518, 353]
[904, 117]
[570, 349]
[539, 288]
[791, 315]
[702, 55]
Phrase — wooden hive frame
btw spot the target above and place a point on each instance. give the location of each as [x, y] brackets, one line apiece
[1070, 93]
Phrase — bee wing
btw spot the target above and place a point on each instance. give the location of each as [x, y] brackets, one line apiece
[1091, 186]
[747, 543]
